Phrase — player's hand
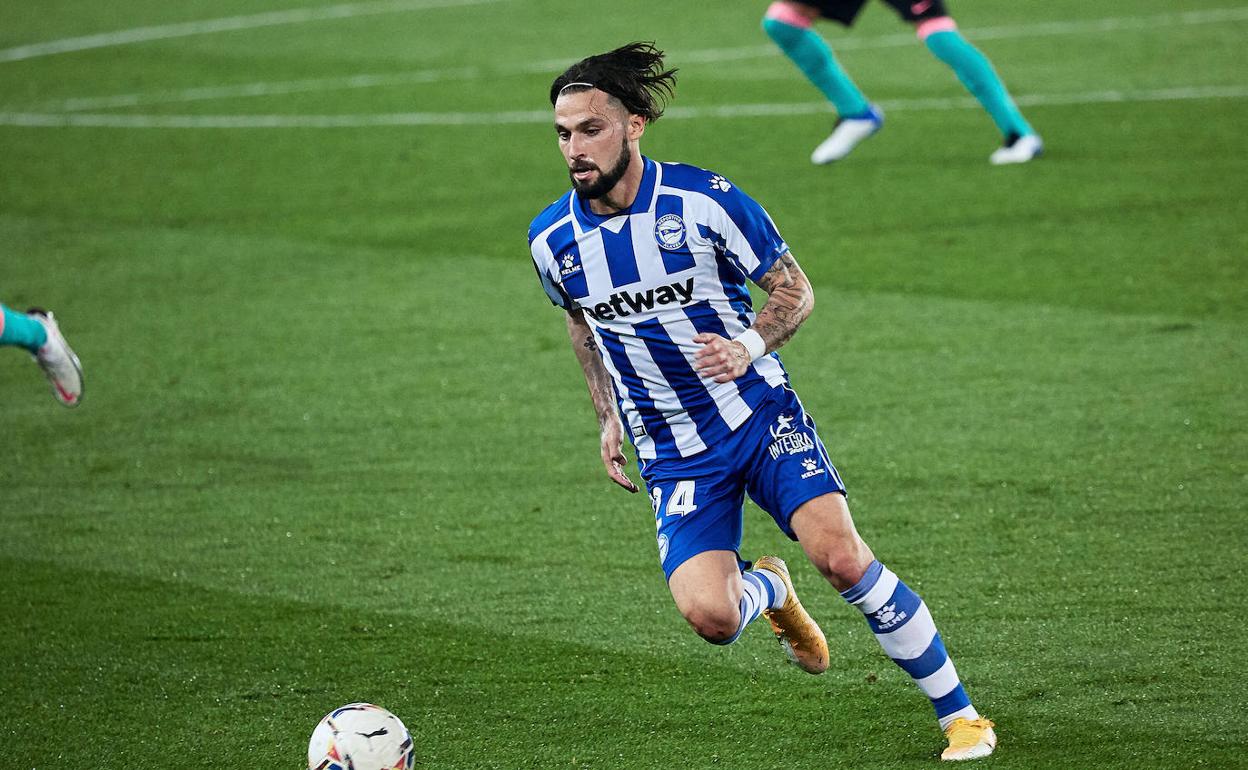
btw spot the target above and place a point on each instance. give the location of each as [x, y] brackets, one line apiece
[613, 455]
[721, 359]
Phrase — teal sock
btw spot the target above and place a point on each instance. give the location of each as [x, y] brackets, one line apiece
[977, 74]
[21, 330]
[814, 58]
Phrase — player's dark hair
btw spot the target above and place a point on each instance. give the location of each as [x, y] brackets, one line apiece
[632, 73]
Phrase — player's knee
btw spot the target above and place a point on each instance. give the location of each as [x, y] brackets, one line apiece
[843, 564]
[928, 27]
[781, 13]
[717, 625]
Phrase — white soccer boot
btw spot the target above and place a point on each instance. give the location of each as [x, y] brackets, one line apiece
[1018, 149]
[846, 136]
[57, 360]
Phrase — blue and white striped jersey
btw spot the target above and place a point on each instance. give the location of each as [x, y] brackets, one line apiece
[649, 278]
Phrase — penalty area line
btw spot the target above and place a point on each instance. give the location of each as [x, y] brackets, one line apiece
[399, 119]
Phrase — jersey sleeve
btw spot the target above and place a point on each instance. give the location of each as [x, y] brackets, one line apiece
[541, 230]
[743, 230]
[542, 262]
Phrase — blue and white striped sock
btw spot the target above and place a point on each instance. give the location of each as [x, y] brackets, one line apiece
[757, 594]
[904, 628]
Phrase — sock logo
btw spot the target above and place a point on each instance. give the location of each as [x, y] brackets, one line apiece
[887, 616]
[920, 7]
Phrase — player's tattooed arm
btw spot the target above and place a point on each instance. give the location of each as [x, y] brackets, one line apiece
[790, 299]
[602, 392]
[596, 375]
[789, 302]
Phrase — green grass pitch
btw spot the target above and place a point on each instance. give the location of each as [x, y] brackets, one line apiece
[335, 447]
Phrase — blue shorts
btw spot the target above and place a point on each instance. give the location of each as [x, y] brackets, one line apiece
[775, 456]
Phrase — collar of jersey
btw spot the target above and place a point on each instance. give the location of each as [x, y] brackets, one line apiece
[588, 220]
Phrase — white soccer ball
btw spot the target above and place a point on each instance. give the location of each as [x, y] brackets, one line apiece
[360, 736]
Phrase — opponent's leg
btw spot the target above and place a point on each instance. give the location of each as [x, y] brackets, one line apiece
[788, 24]
[942, 38]
[38, 332]
[21, 330]
[718, 599]
[900, 620]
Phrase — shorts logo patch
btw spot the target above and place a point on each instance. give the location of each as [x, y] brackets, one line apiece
[669, 232]
[663, 545]
[788, 441]
[783, 426]
[812, 468]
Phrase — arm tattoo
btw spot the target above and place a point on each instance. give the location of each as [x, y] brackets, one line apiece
[597, 379]
[779, 274]
[789, 301]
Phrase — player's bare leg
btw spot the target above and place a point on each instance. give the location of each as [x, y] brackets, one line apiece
[827, 534]
[707, 589]
[719, 601]
[897, 616]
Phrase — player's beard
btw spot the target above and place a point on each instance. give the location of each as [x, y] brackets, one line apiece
[606, 180]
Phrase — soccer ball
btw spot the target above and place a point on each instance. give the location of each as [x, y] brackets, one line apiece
[360, 736]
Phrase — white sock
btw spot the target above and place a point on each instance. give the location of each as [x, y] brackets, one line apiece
[779, 593]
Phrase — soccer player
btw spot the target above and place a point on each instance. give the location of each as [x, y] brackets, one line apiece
[650, 261]
[37, 332]
[789, 24]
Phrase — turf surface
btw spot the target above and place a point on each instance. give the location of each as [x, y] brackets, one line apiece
[335, 447]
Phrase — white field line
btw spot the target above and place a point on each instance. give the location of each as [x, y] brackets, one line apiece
[265, 89]
[226, 24]
[105, 120]
[709, 55]
[270, 88]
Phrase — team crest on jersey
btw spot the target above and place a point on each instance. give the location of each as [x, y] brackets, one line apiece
[669, 231]
[569, 264]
